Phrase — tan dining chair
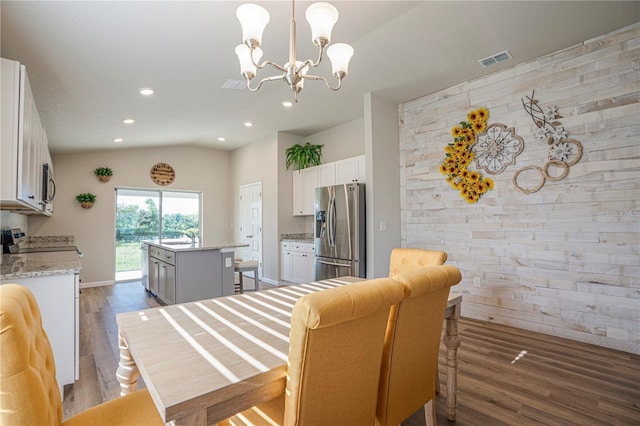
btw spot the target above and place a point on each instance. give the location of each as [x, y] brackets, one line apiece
[30, 393]
[412, 342]
[335, 351]
[406, 259]
[242, 266]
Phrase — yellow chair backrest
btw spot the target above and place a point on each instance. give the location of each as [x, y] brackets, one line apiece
[337, 339]
[30, 394]
[406, 259]
[412, 342]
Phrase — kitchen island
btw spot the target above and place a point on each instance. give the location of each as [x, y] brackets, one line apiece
[182, 272]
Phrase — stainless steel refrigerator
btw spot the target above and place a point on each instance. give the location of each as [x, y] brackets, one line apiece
[339, 231]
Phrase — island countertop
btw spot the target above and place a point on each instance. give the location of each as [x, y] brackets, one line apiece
[28, 265]
[201, 245]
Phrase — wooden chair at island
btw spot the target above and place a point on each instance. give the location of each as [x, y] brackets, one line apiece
[30, 393]
[241, 266]
[335, 352]
[412, 342]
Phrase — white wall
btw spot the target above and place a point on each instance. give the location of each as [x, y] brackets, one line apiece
[197, 169]
[345, 140]
[253, 163]
[383, 183]
[14, 220]
[563, 260]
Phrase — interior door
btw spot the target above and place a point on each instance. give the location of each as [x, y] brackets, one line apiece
[250, 222]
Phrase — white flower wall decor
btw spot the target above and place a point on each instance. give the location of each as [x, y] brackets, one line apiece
[563, 152]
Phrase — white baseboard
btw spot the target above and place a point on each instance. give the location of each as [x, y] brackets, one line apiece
[269, 281]
[97, 284]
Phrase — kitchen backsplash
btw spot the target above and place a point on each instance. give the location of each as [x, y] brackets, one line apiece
[297, 237]
[48, 241]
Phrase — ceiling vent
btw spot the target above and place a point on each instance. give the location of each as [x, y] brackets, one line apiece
[234, 84]
[494, 59]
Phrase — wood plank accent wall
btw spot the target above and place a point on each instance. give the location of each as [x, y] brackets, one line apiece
[564, 260]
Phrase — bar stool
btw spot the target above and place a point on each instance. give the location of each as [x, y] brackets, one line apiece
[241, 266]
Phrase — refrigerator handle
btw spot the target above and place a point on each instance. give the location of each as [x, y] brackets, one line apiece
[342, 265]
[332, 220]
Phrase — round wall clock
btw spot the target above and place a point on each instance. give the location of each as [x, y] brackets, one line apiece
[162, 174]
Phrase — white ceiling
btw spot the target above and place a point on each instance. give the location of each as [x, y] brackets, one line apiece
[86, 61]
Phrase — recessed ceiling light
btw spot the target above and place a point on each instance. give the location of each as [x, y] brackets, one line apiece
[287, 104]
[221, 139]
[118, 140]
[146, 91]
[128, 121]
[248, 124]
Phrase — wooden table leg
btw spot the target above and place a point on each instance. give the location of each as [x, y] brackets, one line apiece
[452, 342]
[127, 373]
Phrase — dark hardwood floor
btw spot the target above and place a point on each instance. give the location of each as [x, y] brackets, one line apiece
[506, 376]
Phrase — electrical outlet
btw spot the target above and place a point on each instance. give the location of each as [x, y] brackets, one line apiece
[227, 262]
[476, 282]
[383, 226]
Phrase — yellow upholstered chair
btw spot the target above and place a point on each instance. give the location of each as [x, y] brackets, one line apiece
[335, 351]
[29, 393]
[410, 360]
[406, 259]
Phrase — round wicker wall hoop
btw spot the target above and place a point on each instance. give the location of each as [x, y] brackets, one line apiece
[535, 188]
[564, 166]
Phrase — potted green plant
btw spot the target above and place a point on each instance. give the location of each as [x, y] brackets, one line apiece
[303, 156]
[103, 173]
[86, 200]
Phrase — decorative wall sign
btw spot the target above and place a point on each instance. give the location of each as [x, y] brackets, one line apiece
[458, 156]
[563, 152]
[497, 148]
[162, 174]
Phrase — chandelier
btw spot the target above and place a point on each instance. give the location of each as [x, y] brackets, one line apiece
[321, 17]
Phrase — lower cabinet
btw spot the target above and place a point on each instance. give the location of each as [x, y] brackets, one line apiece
[58, 301]
[285, 261]
[297, 262]
[179, 276]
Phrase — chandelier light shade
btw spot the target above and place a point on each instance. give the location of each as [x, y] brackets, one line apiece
[321, 17]
[253, 19]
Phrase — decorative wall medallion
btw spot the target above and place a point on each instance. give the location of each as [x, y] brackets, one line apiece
[497, 148]
[162, 174]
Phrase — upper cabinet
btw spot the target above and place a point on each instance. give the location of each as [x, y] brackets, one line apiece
[304, 185]
[351, 170]
[24, 147]
[305, 181]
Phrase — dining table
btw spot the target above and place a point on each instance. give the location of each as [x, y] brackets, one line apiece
[207, 360]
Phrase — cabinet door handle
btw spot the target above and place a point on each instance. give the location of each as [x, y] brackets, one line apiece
[249, 236]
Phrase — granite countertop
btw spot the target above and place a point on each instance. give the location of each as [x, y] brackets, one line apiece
[202, 245]
[28, 265]
[301, 238]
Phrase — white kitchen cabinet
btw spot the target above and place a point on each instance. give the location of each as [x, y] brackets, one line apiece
[327, 174]
[285, 261]
[24, 142]
[351, 170]
[58, 301]
[302, 262]
[304, 185]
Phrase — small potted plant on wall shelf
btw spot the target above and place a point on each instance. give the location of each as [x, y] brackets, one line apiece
[86, 200]
[303, 156]
[104, 173]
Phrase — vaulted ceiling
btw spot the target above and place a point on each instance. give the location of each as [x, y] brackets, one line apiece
[86, 61]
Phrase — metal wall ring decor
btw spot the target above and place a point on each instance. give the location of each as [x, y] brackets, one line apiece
[535, 188]
[561, 148]
[458, 156]
[497, 148]
[565, 170]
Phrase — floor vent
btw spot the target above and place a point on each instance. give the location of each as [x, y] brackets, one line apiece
[494, 59]
[235, 84]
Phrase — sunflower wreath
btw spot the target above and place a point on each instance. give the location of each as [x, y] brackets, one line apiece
[458, 156]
